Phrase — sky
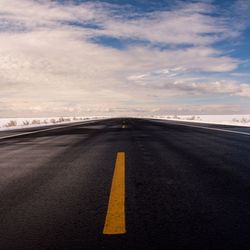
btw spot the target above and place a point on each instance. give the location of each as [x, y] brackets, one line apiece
[124, 58]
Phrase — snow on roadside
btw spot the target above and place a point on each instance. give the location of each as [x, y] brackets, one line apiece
[235, 120]
[18, 123]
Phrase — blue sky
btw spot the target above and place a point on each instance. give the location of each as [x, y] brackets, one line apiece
[124, 57]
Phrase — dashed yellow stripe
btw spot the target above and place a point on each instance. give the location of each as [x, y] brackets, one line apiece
[115, 219]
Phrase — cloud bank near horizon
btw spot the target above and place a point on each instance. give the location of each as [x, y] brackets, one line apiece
[92, 57]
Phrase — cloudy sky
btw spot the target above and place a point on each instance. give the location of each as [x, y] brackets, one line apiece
[124, 57]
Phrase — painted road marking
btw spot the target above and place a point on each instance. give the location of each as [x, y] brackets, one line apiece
[124, 124]
[115, 218]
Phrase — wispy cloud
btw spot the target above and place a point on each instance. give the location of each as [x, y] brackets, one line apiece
[50, 56]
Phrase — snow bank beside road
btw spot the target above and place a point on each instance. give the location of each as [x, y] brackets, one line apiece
[18, 123]
[235, 120]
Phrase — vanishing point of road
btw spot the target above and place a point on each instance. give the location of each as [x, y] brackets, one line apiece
[125, 183]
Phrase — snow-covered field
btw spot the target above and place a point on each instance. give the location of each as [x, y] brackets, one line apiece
[235, 120]
[17, 123]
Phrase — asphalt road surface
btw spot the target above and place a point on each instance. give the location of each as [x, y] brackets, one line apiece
[186, 186]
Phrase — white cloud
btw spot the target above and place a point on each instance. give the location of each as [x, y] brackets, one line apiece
[178, 82]
[186, 25]
[48, 64]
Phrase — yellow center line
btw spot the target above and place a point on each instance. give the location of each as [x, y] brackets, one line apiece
[115, 218]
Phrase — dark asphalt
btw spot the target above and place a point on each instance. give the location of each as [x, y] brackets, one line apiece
[186, 187]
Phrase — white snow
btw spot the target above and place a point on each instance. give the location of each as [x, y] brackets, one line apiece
[18, 123]
[235, 120]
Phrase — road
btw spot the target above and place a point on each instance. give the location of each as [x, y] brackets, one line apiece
[186, 186]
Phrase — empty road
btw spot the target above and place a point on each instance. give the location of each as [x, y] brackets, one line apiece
[125, 183]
